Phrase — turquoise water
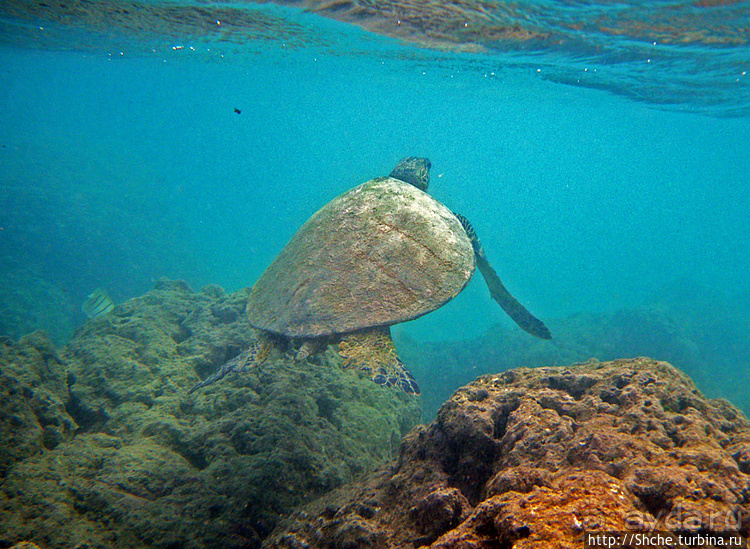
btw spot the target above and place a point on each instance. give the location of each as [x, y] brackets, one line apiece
[591, 181]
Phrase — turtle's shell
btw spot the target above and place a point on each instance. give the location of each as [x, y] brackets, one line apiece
[382, 253]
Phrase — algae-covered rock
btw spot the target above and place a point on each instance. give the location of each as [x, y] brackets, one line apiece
[150, 465]
[533, 458]
[33, 392]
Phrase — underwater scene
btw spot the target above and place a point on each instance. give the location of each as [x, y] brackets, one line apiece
[378, 274]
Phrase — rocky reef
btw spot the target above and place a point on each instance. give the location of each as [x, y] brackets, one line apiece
[536, 457]
[101, 446]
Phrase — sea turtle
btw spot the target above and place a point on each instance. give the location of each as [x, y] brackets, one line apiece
[382, 253]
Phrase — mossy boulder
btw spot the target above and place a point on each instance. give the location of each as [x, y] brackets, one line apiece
[141, 463]
[33, 393]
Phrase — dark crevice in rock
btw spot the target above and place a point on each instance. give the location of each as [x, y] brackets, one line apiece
[226, 313]
[180, 333]
[501, 421]
[742, 457]
[87, 418]
[574, 385]
[655, 502]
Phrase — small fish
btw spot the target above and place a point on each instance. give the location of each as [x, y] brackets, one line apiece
[238, 111]
[98, 303]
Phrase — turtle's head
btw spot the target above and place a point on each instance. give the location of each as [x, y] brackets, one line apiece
[414, 170]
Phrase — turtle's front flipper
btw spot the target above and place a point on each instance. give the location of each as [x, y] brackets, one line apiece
[499, 293]
[253, 356]
[372, 352]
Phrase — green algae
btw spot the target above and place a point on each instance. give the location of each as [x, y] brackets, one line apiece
[144, 464]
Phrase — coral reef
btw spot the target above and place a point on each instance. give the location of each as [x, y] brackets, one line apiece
[103, 447]
[533, 458]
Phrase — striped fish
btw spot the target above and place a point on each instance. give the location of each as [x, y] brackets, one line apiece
[98, 303]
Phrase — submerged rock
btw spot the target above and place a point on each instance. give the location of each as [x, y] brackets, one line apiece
[33, 392]
[103, 447]
[533, 458]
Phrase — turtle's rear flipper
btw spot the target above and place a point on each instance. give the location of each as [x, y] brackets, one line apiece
[253, 356]
[372, 352]
[499, 293]
[510, 304]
